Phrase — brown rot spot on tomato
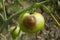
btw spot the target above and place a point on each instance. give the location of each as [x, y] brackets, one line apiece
[29, 21]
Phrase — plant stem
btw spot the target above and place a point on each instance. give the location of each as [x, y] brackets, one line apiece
[3, 36]
[45, 8]
[18, 13]
[54, 9]
[55, 13]
[1, 16]
[5, 17]
[55, 19]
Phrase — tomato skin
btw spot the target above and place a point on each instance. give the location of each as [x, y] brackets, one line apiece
[14, 32]
[37, 27]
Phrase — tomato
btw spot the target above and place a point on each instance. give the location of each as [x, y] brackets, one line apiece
[14, 32]
[31, 23]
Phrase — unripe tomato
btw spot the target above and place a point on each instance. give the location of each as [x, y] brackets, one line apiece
[31, 23]
[14, 31]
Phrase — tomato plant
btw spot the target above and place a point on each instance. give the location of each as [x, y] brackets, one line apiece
[29, 23]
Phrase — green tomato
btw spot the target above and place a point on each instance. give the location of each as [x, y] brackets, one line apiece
[31, 23]
[14, 32]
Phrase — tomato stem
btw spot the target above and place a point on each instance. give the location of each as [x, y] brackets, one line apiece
[3, 36]
[4, 14]
[4, 9]
[45, 8]
[20, 12]
[2, 17]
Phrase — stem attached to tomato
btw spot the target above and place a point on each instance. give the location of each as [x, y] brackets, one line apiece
[20, 12]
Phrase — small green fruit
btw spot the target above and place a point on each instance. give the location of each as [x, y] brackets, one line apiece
[14, 31]
[31, 23]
